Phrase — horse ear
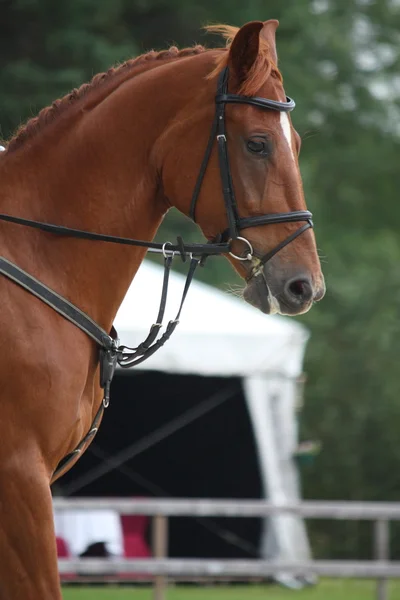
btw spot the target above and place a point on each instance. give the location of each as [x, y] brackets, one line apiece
[244, 48]
[268, 35]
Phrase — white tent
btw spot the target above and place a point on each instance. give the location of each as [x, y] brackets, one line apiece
[219, 334]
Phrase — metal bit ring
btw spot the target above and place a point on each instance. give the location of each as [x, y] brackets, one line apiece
[250, 253]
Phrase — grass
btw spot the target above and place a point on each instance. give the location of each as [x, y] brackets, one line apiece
[328, 589]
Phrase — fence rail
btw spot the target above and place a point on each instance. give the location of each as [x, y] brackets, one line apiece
[160, 567]
[180, 568]
[369, 511]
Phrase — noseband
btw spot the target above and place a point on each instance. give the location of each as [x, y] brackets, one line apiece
[235, 222]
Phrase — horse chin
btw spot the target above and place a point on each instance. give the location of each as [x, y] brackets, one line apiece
[258, 294]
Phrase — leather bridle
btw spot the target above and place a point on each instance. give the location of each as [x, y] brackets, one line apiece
[111, 352]
[235, 222]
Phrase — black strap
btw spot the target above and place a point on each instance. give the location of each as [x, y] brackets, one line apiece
[58, 303]
[110, 351]
[203, 168]
[194, 249]
[287, 106]
[155, 328]
[218, 131]
[64, 463]
[224, 164]
[271, 219]
[285, 242]
[274, 218]
[129, 357]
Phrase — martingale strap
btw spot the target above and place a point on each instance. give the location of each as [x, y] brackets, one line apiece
[129, 357]
[67, 460]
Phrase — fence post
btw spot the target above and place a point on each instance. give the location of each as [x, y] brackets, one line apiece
[381, 543]
[160, 549]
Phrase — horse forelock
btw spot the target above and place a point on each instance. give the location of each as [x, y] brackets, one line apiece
[263, 67]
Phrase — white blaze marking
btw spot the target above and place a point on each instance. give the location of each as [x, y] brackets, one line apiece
[287, 131]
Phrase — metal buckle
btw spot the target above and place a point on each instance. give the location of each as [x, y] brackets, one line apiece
[249, 255]
[170, 251]
[221, 136]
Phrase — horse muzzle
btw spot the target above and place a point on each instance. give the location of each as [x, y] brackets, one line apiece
[285, 295]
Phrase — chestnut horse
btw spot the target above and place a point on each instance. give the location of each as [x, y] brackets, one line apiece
[112, 157]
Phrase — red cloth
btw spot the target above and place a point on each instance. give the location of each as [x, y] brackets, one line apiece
[63, 552]
[62, 548]
[134, 530]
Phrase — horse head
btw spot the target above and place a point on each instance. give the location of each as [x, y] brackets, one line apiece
[254, 196]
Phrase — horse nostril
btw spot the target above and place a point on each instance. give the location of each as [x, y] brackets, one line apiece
[299, 290]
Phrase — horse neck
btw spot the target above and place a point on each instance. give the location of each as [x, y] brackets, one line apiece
[94, 171]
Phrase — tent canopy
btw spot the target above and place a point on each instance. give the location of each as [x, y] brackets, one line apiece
[218, 333]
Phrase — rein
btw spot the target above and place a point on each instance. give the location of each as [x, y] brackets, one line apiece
[111, 353]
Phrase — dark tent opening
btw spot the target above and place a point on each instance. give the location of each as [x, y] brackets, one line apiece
[191, 437]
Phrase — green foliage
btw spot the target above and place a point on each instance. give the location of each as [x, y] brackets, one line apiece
[340, 60]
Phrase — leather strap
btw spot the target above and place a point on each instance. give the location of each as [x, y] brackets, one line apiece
[203, 168]
[65, 462]
[274, 218]
[208, 249]
[58, 303]
[129, 357]
[264, 103]
[266, 257]
[218, 131]
[110, 352]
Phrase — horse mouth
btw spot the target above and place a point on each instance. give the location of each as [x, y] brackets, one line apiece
[290, 296]
[258, 294]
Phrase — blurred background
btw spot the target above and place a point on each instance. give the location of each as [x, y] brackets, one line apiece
[340, 61]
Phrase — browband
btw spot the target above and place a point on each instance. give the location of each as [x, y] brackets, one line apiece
[256, 101]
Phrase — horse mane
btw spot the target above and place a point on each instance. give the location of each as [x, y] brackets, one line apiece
[120, 72]
[261, 70]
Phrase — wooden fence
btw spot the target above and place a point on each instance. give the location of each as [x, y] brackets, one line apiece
[160, 568]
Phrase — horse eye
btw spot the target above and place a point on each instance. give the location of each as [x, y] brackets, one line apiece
[258, 147]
